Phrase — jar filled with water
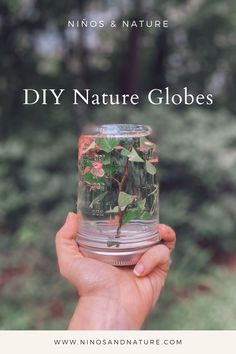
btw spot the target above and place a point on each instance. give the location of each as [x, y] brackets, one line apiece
[118, 192]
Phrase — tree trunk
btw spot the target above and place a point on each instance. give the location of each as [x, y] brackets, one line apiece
[129, 71]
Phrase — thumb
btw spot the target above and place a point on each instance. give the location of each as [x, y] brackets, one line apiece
[66, 246]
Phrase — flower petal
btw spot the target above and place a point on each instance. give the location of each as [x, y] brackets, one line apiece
[97, 172]
[86, 170]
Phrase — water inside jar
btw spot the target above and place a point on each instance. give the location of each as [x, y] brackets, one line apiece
[118, 186]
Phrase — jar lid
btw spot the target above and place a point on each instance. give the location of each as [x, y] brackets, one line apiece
[119, 130]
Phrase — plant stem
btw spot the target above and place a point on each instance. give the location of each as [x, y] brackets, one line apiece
[121, 187]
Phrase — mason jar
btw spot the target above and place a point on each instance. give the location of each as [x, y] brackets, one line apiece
[118, 192]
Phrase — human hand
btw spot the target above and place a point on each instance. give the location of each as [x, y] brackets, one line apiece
[112, 297]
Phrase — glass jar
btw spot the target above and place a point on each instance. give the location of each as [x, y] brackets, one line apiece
[118, 192]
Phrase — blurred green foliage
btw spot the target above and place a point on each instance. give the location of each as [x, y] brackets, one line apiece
[38, 149]
[40, 187]
[206, 308]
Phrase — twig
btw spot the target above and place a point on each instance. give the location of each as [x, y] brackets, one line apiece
[118, 182]
[125, 175]
[121, 186]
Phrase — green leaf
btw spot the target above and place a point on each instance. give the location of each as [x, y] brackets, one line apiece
[145, 216]
[106, 160]
[134, 214]
[110, 169]
[150, 168]
[86, 163]
[134, 156]
[91, 146]
[107, 144]
[99, 198]
[141, 203]
[131, 214]
[115, 210]
[146, 144]
[124, 199]
[125, 152]
[91, 179]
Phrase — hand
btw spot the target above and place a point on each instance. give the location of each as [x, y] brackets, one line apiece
[112, 297]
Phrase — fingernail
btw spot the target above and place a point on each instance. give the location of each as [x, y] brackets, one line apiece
[169, 228]
[166, 229]
[138, 269]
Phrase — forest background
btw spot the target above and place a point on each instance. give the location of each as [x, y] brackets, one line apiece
[38, 148]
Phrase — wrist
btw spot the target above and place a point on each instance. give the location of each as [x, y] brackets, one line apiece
[102, 313]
